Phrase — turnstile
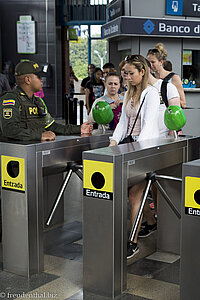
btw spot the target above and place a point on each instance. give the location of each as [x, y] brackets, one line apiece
[107, 173]
[190, 225]
[31, 174]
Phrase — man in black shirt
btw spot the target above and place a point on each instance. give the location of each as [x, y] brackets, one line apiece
[91, 69]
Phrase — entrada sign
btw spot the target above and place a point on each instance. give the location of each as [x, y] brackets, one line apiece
[153, 27]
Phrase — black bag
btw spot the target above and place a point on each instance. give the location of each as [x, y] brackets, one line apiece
[129, 138]
[126, 140]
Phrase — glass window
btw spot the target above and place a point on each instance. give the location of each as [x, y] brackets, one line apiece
[191, 68]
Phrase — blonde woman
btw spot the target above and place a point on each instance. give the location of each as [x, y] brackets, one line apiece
[145, 128]
[157, 57]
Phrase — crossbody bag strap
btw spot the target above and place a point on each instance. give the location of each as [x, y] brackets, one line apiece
[138, 113]
[163, 89]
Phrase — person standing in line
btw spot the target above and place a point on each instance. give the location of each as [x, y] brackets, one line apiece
[123, 78]
[94, 89]
[4, 84]
[167, 65]
[157, 57]
[112, 84]
[146, 127]
[107, 68]
[72, 79]
[91, 69]
[173, 99]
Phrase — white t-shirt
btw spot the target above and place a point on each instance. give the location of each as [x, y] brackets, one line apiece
[172, 92]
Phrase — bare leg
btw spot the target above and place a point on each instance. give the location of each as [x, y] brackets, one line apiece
[135, 197]
[154, 192]
[148, 215]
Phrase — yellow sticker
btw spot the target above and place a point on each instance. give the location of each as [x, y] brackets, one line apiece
[35, 66]
[98, 179]
[13, 173]
[192, 196]
[7, 113]
[33, 110]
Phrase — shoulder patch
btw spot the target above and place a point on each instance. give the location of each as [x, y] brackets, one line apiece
[7, 113]
[8, 102]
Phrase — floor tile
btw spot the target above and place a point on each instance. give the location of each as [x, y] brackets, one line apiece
[14, 284]
[152, 289]
[60, 287]
[170, 274]
[164, 257]
[69, 251]
[146, 267]
[65, 234]
[90, 296]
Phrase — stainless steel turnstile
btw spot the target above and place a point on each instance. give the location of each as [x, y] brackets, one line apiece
[30, 173]
[107, 173]
[190, 225]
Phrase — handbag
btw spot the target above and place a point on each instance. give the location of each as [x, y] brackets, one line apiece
[129, 138]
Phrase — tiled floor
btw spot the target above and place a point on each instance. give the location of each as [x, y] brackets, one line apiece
[147, 277]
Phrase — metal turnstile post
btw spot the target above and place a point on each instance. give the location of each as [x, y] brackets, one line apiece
[190, 224]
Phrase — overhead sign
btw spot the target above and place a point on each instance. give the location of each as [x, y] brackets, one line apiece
[111, 29]
[13, 173]
[152, 27]
[115, 9]
[98, 179]
[192, 196]
[174, 7]
[191, 8]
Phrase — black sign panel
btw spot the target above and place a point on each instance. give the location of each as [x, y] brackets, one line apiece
[191, 8]
[151, 27]
[111, 29]
[115, 9]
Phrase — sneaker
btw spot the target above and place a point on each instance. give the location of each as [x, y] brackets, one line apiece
[147, 230]
[132, 249]
[144, 224]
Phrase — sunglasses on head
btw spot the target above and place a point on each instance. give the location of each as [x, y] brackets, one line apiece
[134, 57]
[153, 51]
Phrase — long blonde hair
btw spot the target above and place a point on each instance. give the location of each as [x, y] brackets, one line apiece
[139, 62]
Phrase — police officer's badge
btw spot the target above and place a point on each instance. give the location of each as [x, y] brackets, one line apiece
[7, 113]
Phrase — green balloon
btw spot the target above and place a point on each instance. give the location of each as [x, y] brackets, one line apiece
[102, 113]
[174, 117]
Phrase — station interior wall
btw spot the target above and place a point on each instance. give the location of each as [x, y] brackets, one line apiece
[48, 41]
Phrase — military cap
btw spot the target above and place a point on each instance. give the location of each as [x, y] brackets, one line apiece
[28, 67]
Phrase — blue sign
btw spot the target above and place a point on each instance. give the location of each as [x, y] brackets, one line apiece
[174, 7]
[149, 26]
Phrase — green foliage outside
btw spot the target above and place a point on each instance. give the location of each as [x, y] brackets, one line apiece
[79, 55]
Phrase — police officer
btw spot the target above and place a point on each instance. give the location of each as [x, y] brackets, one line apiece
[24, 116]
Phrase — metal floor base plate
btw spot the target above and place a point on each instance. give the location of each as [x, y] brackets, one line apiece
[164, 257]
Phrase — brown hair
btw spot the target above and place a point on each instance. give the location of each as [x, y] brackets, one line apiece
[167, 65]
[138, 61]
[121, 64]
[112, 74]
